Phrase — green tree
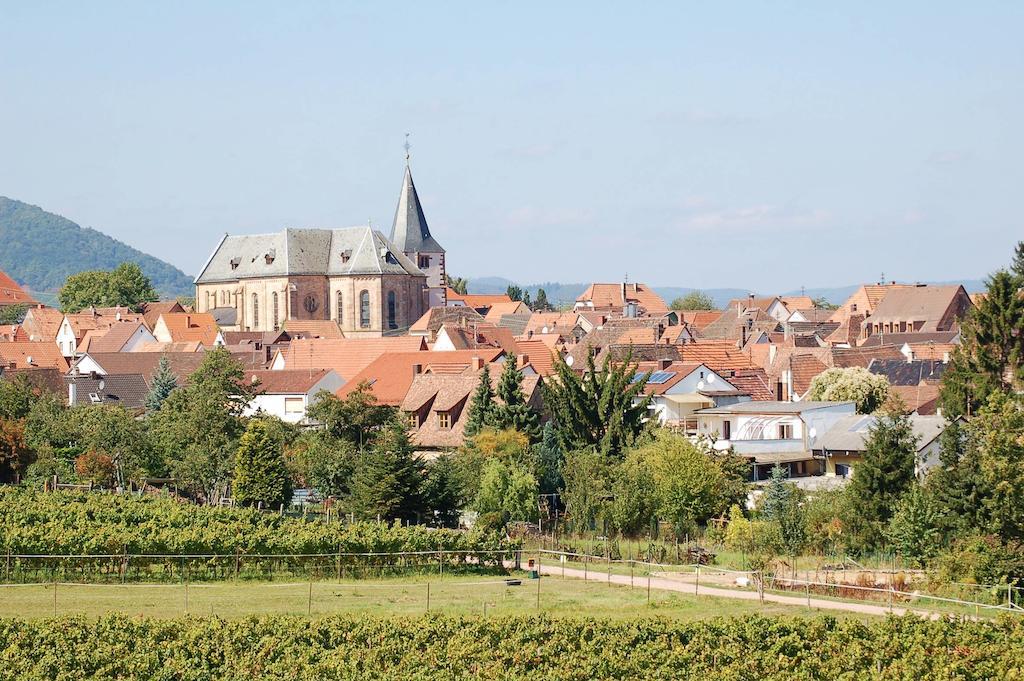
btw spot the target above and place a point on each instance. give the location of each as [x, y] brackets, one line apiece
[823, 303]
[550, 459]
[851, 384]
[513, 412]
[1017, 265]
[13, 314]
[481, 406]
[541, 304]
[508, 491]
[261, 477]
[991, 356]
[442, 492]
[357, 418]
[164, 382]
[634, 502]
[776, 494]
[604, 409]
[388, 480]
[17, 395]
[457, 284]
[197, 427]
[588, 487]
[690, 486]
[514, 292]
[694, 300]
[114, 431]
[124, 286]
[526, 299]
[881, 478]
[913, 529]
[508, 445]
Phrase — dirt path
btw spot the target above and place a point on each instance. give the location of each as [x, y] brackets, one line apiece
[663, 584]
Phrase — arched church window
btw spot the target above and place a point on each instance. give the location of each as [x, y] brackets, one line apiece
[255, 311]
[364, 309]
[339, 309]
[277, 318]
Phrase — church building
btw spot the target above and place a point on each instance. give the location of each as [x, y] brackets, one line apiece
[368, 284]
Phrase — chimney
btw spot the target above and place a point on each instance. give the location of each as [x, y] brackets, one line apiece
[664, 364]
[417, 369]
[477, 363]
[523, 360]
[72, 393]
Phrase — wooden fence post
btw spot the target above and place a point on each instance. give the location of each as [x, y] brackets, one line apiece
[538, 581]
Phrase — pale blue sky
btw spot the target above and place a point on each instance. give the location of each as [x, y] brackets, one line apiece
[758, 145]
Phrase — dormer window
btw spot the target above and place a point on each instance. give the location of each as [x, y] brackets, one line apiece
[444, 420]
[235, 262]
[346, 256]
[414, 420]
[269, 256]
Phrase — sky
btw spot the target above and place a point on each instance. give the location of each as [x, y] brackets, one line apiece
[760, 145]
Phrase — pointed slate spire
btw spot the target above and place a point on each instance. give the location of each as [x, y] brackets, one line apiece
[409, 232]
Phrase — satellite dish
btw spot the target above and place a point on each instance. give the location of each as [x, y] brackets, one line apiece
[711, 378]
[569, 360]
[813, 432]
[700, 385]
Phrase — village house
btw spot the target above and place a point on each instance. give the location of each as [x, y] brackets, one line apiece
[773, 433]
[842, 445]
[625, 300]
[918, 309]
[678, 390]
[11, 293]
[288, 394]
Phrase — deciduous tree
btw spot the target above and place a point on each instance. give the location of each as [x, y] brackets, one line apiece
[851, 384]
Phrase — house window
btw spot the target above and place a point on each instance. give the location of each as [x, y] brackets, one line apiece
[691, 425]
[392, 305]
[364, 309]
[853, 307]
[726, 430]
[255, 311]
[424, 261]
[414, 420]
[294, 405]
[785, 431]
[338, 307]
[444, 420]
[277, 320]
[843, 470]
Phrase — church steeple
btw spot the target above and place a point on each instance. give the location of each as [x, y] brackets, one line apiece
[409, 231]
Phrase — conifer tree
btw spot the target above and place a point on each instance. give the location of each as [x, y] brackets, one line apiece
[481, 407]
[604, 409]
[776, 494]
[261, 475]
[164, 381]
[550, 460]
[387, 482]
[513, 412]
[541, 304]
[882, 477]
[991, 357]
[526, 299]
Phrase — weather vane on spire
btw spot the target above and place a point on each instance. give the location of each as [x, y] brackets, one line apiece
[407, 148]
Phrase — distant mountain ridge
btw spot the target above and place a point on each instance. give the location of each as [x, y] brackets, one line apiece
[567, 293]
[41, 249]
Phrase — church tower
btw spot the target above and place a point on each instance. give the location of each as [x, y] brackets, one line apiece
[410, 234]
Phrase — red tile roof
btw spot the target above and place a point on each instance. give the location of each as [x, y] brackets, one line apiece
[11, 293]
[190, 326]
[615, 296]
[391, 374]
[43, 354]
[540, 356]
[717, 355]
[347, 356]
[313, 328]
[285, 382]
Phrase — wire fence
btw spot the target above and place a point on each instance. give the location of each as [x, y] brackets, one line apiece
[122, 568]
[418, 581]
[992, 598]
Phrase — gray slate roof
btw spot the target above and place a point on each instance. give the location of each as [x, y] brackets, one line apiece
[850, 433]
[329, 252]
[125, 390]
[409, 231]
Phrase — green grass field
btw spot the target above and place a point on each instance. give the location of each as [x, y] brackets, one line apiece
[467, 595]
